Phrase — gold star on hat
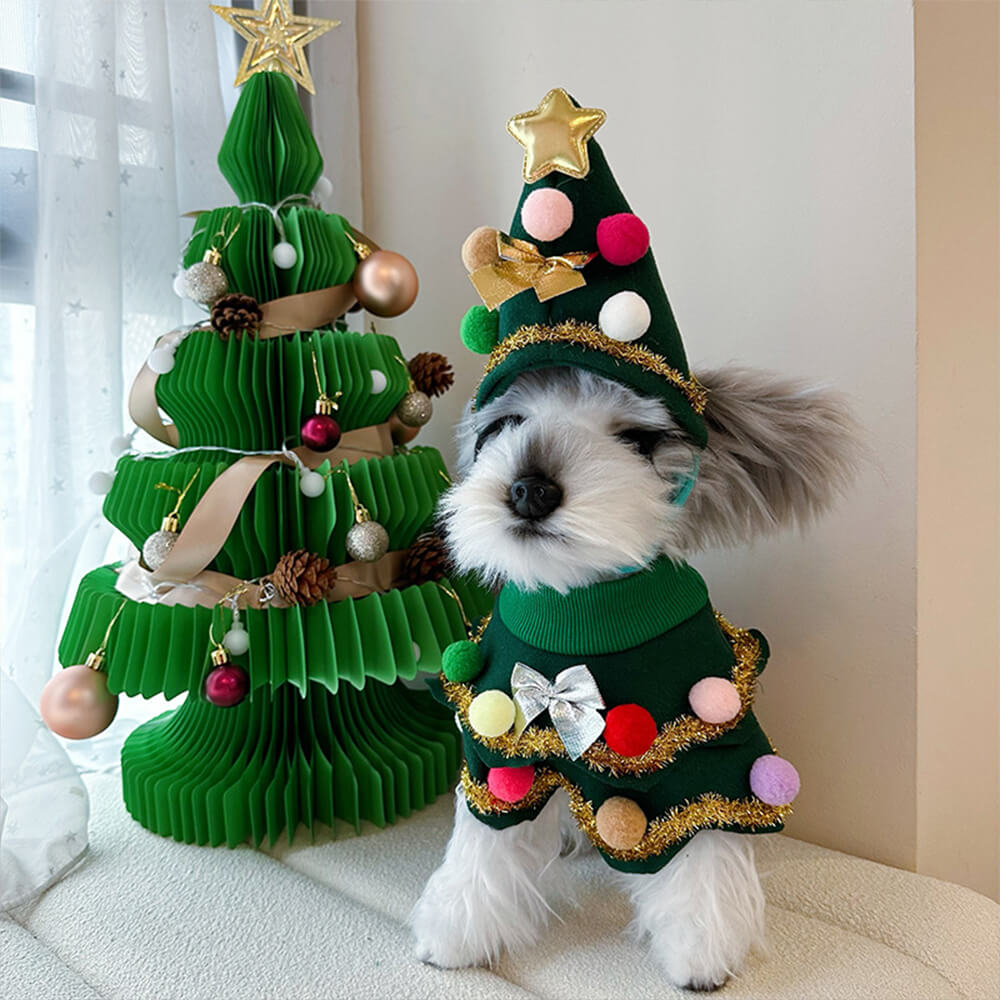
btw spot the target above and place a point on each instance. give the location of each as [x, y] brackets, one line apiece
[276, 39]
[555, 136]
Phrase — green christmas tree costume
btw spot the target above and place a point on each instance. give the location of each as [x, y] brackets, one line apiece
[327, 729]
[632, 694]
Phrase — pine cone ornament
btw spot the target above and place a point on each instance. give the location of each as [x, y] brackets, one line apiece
[304, 578]
[426, 559]
[236, 314]
[431, 373]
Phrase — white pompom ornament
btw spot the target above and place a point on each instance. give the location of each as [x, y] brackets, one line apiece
[323, 188]
[120, 444]
[284, 255]
[101, 482]
[379, 381]
[161, 360]
[625, 316]
[236, 640]
[312, 484]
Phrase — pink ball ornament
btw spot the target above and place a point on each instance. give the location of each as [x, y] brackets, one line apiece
[546, 214]
[227, 685]
[715, 700]
[622, 239]
[774, 780]
[510, 784]
[320, 433]
[77, 704]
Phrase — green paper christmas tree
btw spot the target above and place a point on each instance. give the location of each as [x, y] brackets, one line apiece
[317, 640]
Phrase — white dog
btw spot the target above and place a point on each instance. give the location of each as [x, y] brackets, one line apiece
[568, 479]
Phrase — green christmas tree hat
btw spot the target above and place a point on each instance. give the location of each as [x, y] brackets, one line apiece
[575, 283]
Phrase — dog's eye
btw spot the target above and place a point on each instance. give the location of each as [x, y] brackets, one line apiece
[494, 428]
[643, 439]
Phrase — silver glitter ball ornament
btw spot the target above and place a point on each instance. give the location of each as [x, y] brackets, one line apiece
[367, 541]
[204, 282]
[157, 547]
[415, 409]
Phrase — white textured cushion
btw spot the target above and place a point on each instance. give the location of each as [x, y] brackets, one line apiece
[147, 917]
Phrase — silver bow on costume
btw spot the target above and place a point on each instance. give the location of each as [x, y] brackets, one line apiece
[572, 700]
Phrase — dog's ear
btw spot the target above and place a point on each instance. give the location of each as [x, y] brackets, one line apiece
[779, 452]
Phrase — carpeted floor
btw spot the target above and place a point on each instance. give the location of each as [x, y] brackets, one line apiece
[145, 917]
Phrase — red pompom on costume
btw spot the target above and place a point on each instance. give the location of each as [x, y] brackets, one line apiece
[629, 730]
[510, 784]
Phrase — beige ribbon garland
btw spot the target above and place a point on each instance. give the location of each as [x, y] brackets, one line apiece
[209, 524]
[209, 588]
[305, 311]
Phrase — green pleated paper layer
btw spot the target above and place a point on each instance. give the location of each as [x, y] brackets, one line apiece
[268, 151]
[400, 492]
[254, 395]
[159, 649]
[207, 775]
[324, 254]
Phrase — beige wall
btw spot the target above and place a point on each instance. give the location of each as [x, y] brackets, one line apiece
[769, 146]
[958, 350]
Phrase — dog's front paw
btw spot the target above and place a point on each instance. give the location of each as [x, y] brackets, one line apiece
[445, 954]
[444, 929]
[691, 969]
[435, 949]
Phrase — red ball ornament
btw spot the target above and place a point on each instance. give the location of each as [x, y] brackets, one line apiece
[385, 283]
[622, 239]
[227, 684]
[320, 432]
[629, 730]
[510, 784]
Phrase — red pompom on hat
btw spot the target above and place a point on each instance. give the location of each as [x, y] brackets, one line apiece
[622, 239]
[629, 730]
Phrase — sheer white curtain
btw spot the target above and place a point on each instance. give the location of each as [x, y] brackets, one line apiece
[111, 115]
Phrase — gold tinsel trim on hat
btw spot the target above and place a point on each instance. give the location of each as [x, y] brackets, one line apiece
[589, 336]
[708, 811]
[681, 733]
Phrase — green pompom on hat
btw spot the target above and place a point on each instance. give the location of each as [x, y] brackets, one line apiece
[572, 222]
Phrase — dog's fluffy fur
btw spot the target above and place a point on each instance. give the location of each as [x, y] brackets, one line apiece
[778, 452]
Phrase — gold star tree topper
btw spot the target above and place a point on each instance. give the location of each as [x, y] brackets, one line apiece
[555, 136]
[276, 40]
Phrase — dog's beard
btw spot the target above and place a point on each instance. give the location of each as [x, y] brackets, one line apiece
[615, 512]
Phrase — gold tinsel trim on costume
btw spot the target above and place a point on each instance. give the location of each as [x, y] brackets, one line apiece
[708, 811]
[588, 335]
[675, 736]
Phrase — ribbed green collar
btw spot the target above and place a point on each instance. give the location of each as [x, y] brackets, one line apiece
[606, 617]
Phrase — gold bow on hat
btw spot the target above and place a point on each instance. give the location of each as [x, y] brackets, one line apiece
[521, 266]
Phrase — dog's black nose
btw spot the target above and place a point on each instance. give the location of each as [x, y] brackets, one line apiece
[535, 497]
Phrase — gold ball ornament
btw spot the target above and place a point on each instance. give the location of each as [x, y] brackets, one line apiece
[76, 703]
[491, 713]
[367, 541]
[621, 823]
[415, 409]
[204, 282]
[385, 283]
[480, 248]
